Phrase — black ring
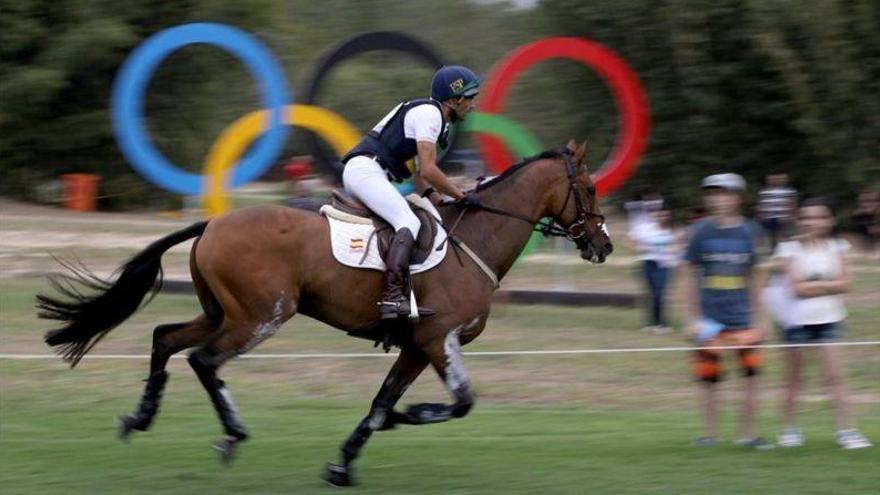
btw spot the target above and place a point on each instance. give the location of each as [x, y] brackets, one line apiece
[367, 42]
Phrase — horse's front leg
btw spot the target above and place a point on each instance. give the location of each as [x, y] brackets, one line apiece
[446, 357]
[410, 363]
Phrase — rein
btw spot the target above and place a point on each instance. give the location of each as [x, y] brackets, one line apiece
[574, 231]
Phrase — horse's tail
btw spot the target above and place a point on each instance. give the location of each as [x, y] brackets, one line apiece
[90, 316]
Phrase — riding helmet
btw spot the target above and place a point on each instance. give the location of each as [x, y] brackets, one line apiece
[452, 81]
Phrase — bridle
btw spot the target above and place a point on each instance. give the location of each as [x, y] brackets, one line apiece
[578, 229]
[575, 232]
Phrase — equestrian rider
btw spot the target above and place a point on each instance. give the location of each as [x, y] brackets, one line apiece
[414, 128]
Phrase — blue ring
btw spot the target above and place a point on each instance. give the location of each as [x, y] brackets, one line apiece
[129, 95]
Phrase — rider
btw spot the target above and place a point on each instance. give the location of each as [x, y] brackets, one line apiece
[414, 128]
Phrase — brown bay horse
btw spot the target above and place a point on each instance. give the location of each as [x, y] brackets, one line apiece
[254, 268]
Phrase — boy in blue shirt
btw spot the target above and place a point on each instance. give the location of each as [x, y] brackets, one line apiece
[722, 300]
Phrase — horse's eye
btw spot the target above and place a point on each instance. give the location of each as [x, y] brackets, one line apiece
[591, 190]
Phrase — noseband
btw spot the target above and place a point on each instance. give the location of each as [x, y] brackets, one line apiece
[578, 229]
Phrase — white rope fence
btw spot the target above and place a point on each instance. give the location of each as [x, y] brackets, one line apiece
[546, 352]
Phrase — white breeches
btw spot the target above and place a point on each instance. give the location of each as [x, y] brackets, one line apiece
[365, 179]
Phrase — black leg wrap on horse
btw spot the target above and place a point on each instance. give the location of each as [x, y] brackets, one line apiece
[355, 442]
[142, 418]
[393, 419]
[220, 397]
[374, 421]
[228, 413]
[464, 402]
[149, 404]
[427, 413]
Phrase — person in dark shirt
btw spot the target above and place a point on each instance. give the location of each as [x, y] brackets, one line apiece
[722, 300]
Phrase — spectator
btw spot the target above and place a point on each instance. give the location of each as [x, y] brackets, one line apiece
[817, 274]
[722, 301]
[866, 218]
[660, 248]
[776, 204]
[640, 209]
[696, 214]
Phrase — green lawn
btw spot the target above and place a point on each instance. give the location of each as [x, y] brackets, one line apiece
[62, 442]
[593, 423]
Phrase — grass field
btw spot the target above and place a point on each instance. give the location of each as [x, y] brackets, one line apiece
[590, 423]
[560, 424]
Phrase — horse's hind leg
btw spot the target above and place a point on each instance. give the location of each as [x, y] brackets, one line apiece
[382, 416]
[232, 340]
[167, 340]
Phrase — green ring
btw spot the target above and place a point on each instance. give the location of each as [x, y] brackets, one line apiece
[518, 139]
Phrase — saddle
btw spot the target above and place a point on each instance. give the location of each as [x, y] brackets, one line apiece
[345, 203]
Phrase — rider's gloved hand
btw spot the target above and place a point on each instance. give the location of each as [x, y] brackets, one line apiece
[470, 199]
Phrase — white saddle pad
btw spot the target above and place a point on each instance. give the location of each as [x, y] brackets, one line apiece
[350, 238]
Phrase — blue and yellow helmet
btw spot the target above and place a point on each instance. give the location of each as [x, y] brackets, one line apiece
[453, 81]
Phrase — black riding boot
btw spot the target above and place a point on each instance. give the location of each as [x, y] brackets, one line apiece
[395, 302]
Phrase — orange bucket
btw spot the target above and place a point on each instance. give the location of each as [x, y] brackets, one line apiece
[80, 191]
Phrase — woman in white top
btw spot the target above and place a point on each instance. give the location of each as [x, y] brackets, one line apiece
[660, 247]
[818, 274]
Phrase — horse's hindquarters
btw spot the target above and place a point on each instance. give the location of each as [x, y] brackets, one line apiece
[255, 259]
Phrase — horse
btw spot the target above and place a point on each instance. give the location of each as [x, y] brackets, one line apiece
[254, 268]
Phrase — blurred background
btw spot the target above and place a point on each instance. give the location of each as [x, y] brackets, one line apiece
[755, 87]
[742, 86]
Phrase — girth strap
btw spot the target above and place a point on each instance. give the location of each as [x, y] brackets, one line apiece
[476, 259]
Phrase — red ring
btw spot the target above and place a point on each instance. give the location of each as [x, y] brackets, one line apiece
[629, 96]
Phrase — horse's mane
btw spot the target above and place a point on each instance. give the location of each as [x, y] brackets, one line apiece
[551, 153]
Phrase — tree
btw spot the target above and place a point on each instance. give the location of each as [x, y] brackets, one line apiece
[57, 66]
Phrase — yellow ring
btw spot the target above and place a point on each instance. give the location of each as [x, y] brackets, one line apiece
[235, 139]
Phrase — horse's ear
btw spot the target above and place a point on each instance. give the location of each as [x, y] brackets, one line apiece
[572, 145]
[580, 153]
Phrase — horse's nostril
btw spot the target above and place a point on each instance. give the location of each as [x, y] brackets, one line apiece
[609, 248]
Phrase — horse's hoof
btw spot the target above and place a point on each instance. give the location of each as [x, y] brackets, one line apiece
[338, 475]
[226, 449]
[126, 425]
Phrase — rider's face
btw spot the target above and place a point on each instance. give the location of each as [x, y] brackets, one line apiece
[463, 106]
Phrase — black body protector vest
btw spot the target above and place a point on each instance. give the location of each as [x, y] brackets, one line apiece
[391, 147]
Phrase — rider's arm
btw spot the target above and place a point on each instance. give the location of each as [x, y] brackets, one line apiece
[422, 185]
[431, 173]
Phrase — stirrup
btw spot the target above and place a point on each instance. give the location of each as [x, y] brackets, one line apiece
[391, 310]
[399, 312]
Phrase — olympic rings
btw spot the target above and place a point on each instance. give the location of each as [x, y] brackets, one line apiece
[130, 86]
[630, 97]
[521, 141]
[363, 43]
[128, 103]
[236, 138]
[514, 135]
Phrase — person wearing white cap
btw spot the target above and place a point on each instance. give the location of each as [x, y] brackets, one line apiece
[722, 300]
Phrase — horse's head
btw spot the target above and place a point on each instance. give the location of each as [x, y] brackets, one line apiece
[573, 205]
